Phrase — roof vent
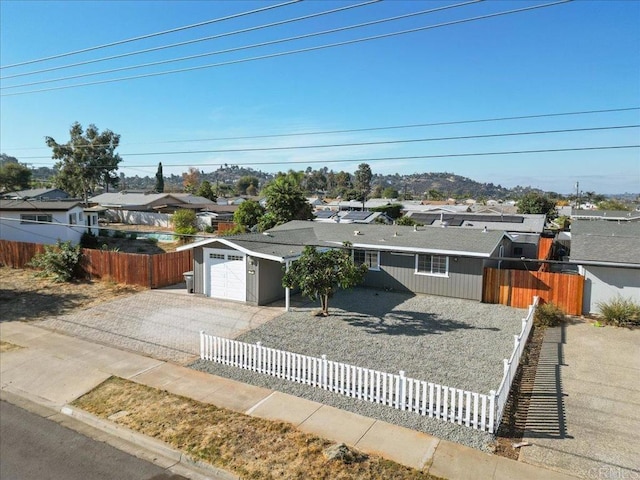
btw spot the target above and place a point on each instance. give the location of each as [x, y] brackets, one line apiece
[356, 232]
[395, 234]
[415, 228]
[484, 230]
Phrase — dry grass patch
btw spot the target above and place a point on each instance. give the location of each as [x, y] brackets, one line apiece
[7, 347]
[24, 296]
[247, 446]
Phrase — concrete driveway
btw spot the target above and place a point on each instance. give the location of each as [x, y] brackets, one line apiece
[163, 323]
[583, 417]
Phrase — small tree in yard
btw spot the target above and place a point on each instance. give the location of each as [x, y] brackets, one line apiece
[321, 274]
[60, 261]
[184, 222]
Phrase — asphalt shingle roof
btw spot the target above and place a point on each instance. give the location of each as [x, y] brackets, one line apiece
[602, 241]
[38, 205]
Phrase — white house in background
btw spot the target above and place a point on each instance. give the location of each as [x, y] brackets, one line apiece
[608, 255]
[45, 222]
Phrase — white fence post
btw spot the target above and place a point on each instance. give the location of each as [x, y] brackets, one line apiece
[323, 372]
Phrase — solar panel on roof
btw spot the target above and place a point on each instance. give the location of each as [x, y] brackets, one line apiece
[324, 214]
[356, 215]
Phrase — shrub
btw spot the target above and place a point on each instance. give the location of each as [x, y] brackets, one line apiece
[119, 234]
[89, 240]
[133, 235]
[408, 221]
[103, 232]
[60, 261]
[185, 223]
[622, 312]
[548, 315]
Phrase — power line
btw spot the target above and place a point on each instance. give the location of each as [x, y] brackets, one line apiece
[150, 35]
[411, 157]
[370, 129]
[291, 52]
[244, 47]
[197, 40]
[383, 142]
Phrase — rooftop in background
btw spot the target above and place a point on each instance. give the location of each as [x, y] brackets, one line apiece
[38, 205]
[525, 223]
[609, 215]
[608, 242]
[37, 194]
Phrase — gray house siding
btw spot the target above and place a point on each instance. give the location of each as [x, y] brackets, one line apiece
[603, 284]
[397, 272]
[270, 286]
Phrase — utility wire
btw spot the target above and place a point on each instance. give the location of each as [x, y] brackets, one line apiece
[291, 52]
[378, 159]
[367, 129]
[384, 142]
[151, 35]
[197, 40]
[237, 49]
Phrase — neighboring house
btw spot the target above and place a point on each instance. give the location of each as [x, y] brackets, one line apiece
[448, 262]
[521, 223]
[608, 215]
[352, 216]
[37, 194]
[608, 255]
[147, 208]
[45, 222]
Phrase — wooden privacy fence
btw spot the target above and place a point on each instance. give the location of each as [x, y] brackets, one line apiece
[471, 409]
[516, 287]
[151, 271]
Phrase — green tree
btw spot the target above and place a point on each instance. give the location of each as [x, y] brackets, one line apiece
[205, 190]
[245, 182]
[612, 204]
[248, 214]
[87, 160]
[535, 203]
[362, 182]
[390, 192]
[321, 274]
[285, 202]
[159, 179]
[14, 176]
[185, 223]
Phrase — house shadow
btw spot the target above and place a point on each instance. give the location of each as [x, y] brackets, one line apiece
[546, 413]
[28, 305]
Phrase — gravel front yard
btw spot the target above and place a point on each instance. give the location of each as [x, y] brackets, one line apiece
[458, 343]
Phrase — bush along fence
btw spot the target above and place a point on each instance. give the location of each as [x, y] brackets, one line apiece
[471, 409]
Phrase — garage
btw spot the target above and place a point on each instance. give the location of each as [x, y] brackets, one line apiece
[225, 274]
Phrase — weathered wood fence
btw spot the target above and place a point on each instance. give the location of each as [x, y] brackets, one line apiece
[516, 287]
[150, 271]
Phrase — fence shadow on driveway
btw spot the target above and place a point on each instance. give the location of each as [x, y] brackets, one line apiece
[546, 414]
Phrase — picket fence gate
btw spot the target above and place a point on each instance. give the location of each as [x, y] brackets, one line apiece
[471, 409]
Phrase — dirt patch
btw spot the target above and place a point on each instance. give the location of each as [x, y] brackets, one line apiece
[514, 417]
[24, 296]
[8, 347]
[247, 446]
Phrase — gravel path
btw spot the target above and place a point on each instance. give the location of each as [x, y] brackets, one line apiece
[458, 343]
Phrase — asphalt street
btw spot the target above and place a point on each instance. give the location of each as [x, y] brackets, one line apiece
[33, 447]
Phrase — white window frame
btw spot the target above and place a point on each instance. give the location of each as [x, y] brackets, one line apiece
[431, 273]
[368, 254]
[36, 217]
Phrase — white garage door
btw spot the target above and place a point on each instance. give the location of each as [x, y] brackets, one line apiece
[227, 274]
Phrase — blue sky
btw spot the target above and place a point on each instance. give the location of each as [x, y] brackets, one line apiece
[576, 56]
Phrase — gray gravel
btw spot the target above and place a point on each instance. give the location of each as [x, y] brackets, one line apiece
[454, 342]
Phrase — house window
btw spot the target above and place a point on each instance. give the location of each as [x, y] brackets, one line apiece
[29, 218]
[235, 257]
[370, 258]
[73, 218]
[218, 256]
[432, 265]
[517, 250]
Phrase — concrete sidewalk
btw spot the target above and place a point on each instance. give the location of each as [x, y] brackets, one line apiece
[53, 370]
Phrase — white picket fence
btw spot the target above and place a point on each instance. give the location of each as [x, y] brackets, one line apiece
[471, 409]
